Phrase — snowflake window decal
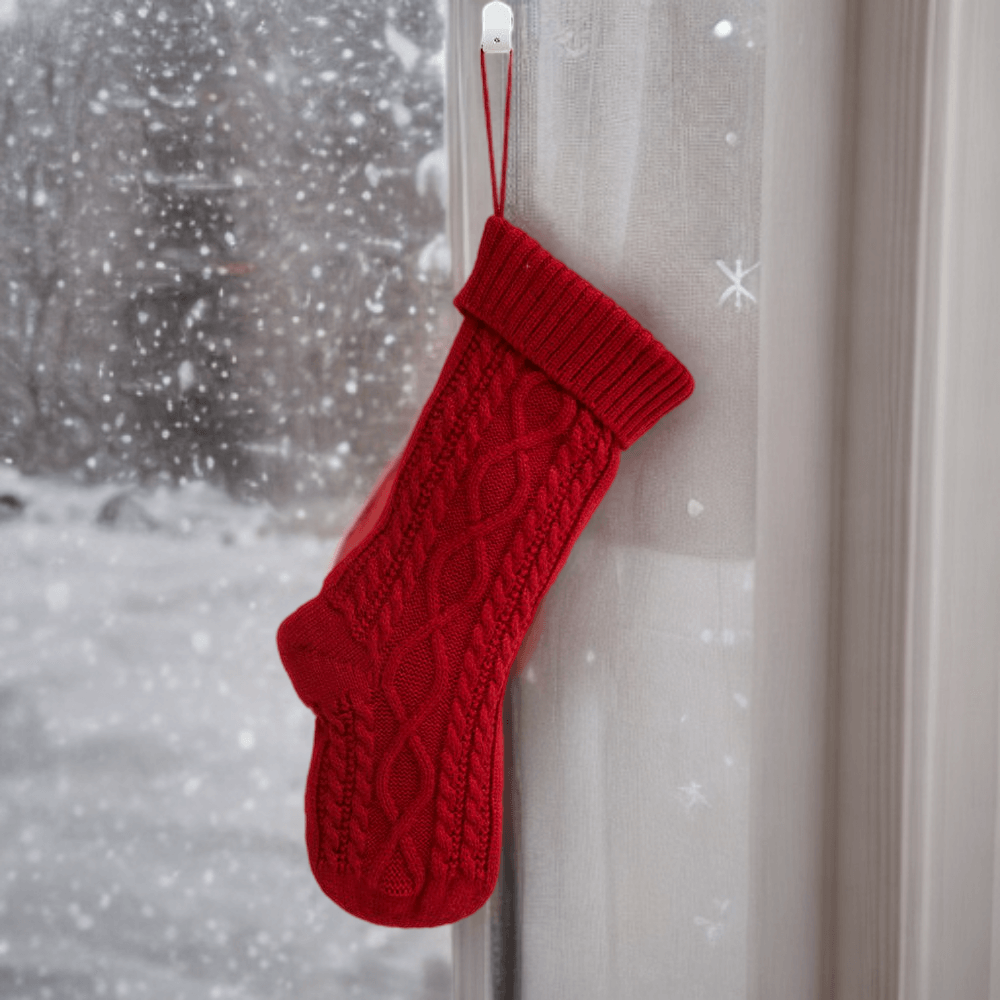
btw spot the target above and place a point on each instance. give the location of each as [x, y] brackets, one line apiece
[736, 276]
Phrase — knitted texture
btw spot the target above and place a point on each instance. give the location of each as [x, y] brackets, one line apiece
[404, 654]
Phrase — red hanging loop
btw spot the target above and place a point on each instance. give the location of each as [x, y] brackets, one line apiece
[498, 202]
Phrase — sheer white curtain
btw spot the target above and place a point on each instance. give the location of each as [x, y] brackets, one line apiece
[636, 144]
[637, 162]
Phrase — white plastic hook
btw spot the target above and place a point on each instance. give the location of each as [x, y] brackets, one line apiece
[498, 26]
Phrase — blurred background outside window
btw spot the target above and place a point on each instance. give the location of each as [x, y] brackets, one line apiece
[224, 291]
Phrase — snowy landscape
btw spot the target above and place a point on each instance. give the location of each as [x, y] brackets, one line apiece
[153, 757]
[224, 292]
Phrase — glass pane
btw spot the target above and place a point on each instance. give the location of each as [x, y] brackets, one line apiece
[223, 294]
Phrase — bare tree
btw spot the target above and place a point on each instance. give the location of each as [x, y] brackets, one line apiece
[48, 71]
[243, 179]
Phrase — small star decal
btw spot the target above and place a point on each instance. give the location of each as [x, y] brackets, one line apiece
[736, 277]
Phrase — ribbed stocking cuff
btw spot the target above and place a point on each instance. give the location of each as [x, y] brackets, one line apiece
[577, 335]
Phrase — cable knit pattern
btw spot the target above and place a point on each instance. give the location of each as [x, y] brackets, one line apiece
[337, 761]
[537, 548]
[453, 428]
[404, 654]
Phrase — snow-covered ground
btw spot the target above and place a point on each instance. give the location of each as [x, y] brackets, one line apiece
[153, 757]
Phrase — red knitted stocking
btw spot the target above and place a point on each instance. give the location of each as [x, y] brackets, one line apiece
[404, 655]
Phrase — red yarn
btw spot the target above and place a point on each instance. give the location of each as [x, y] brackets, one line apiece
[498, 201]
[405, 653]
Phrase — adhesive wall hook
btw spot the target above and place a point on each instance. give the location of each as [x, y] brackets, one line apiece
[498, 27]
